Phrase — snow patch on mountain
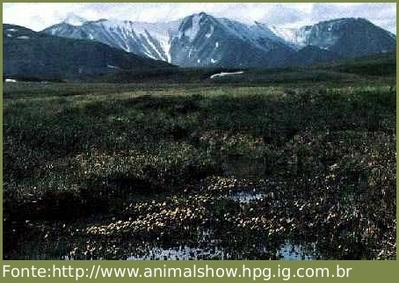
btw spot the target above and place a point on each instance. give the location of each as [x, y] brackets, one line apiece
[112, 66]
[257, 34]
[210, 32]
[190, 27]
[148, 39]
[74, 20]
[224, 74]
[154, 37]
[295, 36]
[191, 33]
[288, 34]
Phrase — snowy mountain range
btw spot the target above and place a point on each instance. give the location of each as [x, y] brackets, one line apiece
[201, 40]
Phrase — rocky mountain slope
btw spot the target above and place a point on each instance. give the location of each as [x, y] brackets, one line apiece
[31, 54]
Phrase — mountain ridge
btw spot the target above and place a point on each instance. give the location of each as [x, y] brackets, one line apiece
[201, 40]
[32, 54]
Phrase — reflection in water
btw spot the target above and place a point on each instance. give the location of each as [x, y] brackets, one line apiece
[181, 253]
[246, 197]
[289, 251]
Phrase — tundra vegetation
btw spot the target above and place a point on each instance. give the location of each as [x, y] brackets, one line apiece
[114, 170]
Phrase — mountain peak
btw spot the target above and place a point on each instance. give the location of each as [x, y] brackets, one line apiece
[191, 25]
[74, 20]
[202, 14]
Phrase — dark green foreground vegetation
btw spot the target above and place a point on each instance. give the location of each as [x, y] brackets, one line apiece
[107, 170]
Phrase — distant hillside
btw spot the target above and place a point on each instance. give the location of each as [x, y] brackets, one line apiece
[375, 65]
[339, 71]
[349, 37]
[31, 55]
[310, 55]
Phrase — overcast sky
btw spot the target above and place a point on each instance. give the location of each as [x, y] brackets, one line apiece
[38, 16]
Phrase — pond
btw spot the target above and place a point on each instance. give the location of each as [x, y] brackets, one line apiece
[232, 227]
[287, 251]
[208, 249]
[246, 197]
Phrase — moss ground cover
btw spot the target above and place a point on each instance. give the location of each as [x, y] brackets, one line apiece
[112, 170]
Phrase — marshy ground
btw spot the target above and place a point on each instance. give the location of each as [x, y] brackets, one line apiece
[127, 171]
